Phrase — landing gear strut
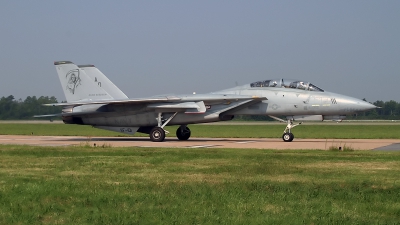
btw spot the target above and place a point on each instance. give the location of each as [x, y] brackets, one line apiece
[287, 133]
[183, 133]
[157, 134]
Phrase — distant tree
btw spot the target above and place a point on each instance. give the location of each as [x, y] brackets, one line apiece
[11, 109]
[390, 108]
[7, 106]
[380, 110]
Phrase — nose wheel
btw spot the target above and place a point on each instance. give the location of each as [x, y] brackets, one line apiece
[287, 137]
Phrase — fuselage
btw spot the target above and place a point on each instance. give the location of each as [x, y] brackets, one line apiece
[282, 98]
[290, 102]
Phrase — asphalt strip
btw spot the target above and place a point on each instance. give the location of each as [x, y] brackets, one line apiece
[392, 147]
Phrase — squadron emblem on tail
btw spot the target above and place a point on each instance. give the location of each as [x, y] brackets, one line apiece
[73, 80]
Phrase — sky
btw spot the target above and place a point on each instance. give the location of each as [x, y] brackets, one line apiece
[178, 47]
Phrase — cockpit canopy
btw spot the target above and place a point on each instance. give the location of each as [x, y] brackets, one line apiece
[286, 83]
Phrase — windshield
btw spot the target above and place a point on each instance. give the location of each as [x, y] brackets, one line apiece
[286, 83]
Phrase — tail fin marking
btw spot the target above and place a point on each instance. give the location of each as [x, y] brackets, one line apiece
[77, 85]
[102, 81]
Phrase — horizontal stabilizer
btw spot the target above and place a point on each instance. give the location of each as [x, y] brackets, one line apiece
[49, 115]
[68, 114]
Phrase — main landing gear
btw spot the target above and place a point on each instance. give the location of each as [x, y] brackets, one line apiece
[287, 133]
[157, 134]
[183, 133]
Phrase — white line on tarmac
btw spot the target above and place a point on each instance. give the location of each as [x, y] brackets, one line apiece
[244, 142]
[201, 146]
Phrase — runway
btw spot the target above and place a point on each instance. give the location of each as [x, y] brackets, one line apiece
[246, 143]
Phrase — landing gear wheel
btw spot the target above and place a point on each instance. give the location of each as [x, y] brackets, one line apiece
[183, 134]
[287, 137]
[157, 134]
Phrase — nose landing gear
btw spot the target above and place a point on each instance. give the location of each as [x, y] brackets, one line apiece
[287, 133]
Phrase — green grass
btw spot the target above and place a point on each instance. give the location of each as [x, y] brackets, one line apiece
[83, 185]
[223, 131]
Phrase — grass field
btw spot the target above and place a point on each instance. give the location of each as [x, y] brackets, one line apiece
[224, 131]
[83, 185]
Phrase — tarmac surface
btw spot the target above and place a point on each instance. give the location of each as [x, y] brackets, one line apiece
[263, 143]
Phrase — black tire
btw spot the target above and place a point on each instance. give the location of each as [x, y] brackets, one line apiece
[183, 135]
[157, 134]
[287, 137]
[291, 136]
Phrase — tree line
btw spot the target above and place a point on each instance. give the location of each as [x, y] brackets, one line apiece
[13, 109]
[389, 110]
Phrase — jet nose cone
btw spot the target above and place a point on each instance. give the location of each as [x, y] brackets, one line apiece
[365, 106]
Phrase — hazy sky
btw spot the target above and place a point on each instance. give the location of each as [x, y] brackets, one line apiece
[162, 47]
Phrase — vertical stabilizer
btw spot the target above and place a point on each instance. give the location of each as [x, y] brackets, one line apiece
[77, 85]
[102, 81]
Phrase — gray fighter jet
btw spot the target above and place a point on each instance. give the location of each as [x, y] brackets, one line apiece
[92, 99]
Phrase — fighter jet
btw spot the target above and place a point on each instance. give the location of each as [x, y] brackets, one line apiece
[92, 99]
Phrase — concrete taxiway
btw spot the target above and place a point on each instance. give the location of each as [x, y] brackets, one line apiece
[264, 143]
